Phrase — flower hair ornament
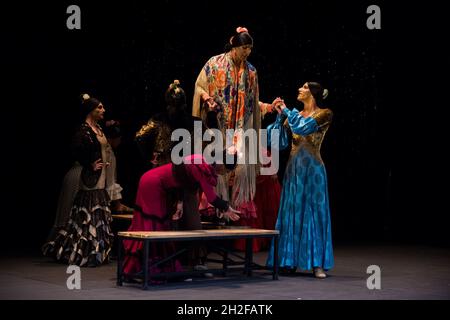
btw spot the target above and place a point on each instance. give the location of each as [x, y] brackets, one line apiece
[85, 97]
[174, 86]
[239, 30]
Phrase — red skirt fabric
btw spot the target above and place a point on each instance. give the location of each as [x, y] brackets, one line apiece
[151, 200]
[267, 200]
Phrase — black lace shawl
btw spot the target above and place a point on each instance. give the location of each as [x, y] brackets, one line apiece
[86, 149]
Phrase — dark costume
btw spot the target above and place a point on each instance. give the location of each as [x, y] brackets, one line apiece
[86, 238]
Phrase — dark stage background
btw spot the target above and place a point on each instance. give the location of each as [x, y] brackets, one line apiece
[126, 54]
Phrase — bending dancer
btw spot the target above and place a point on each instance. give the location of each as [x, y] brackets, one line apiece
[153, 214]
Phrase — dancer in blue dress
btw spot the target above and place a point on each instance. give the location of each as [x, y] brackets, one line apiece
[304, 213]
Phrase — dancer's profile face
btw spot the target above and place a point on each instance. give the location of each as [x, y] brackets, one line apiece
[98, 113]
[303, 92]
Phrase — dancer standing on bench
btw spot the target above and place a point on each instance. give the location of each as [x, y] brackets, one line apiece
[152, 213]
[227, 96]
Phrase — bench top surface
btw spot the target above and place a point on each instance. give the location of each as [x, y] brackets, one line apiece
[130, 217]
[196, 233]
[205, 224]
[122, 216]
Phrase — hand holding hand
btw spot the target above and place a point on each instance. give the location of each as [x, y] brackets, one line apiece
[212, 105]
[278, 104]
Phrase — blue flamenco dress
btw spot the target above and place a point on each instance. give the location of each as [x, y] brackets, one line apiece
[304, 213]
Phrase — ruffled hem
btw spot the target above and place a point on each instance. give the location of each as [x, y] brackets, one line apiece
[114, 192]
[87, 238]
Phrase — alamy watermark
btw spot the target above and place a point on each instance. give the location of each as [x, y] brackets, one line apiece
[74, 20]
[74, 280]
[374, 20]
[374, 280]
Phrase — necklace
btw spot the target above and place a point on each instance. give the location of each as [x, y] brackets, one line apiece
[310, 114]
[96, 128]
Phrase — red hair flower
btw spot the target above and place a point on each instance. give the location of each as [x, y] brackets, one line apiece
[241, 29]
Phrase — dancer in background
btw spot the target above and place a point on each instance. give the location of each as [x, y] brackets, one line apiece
[71, 183]
[86, 238]
[154, 138]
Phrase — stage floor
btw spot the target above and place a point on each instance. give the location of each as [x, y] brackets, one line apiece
[407, 272]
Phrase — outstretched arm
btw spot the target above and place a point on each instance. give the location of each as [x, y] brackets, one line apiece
[201, 95]
[299, 124]
[212, 197]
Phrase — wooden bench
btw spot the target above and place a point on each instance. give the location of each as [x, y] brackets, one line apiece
[196, 235]
[128, 217]
[205, 224]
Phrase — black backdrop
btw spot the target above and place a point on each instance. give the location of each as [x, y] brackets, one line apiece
[126, 54]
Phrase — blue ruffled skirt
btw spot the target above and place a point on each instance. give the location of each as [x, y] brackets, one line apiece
[304, 216]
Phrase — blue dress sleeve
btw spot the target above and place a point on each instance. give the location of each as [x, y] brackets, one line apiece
[299, 124]
[283, 137]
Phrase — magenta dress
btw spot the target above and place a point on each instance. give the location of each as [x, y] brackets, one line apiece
[152, 214]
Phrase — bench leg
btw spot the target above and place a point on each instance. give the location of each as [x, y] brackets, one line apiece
[248, 256]
[145, 264]
[275, 258]
[225, 263]
[119, 262]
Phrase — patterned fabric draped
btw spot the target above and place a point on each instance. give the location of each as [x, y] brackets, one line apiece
[236, 92]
